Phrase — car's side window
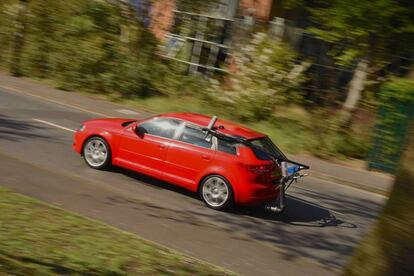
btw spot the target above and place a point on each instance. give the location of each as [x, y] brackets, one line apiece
[164, 127]
[226, 146]
[195, 136]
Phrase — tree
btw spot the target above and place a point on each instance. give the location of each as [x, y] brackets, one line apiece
[366, 32]
[389, 248]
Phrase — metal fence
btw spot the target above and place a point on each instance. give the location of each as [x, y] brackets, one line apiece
[390, 134]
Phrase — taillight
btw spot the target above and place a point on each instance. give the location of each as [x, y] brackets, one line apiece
[260, 169]
[261, 173]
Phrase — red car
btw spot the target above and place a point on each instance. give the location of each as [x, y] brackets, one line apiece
[177, 148]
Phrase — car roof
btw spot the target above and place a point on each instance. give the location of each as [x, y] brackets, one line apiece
[229, 127]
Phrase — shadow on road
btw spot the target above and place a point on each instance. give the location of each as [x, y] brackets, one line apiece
[314, 216]
[307, 229]
[311, 229]
[15, 130]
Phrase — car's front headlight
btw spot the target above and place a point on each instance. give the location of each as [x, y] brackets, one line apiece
[82, 128]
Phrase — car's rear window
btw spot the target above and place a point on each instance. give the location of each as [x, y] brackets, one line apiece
[264, 146]
[226, 146]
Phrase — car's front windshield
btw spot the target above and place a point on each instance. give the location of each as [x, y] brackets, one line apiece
[266, 145]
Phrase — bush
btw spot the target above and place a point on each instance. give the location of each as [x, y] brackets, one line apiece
[267, 76]
[91, 45]
[329, 138]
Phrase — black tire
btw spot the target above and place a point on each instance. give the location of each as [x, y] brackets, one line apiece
[227, 203]
[102, 165]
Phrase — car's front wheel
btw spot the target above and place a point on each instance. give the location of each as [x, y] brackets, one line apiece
[96, 153]
[216, 192]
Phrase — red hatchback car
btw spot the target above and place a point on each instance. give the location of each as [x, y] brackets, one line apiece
[176, 148]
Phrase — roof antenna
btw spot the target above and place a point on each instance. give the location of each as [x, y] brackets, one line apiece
[210, 127]
[212, 122]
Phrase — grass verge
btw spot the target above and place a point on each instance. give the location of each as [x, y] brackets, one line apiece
[41, 239]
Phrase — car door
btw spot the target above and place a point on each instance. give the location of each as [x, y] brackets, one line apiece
[188, 156]
[144, 146]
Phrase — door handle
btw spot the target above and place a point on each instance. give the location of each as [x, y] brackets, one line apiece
[205, 157]
[162, 146]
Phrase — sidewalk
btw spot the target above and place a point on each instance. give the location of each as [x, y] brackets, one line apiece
[371, 181]
[366, 180]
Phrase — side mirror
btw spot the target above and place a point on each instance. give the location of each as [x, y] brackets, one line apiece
[140, 131]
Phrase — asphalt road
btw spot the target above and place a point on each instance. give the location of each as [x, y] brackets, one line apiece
[323, 222]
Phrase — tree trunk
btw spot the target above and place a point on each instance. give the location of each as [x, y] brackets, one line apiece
[356, 86]
[389, 248]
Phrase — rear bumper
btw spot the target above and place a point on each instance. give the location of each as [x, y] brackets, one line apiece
[259, 194]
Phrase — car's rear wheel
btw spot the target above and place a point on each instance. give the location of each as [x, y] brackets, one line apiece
[216, 192]
[96, 153]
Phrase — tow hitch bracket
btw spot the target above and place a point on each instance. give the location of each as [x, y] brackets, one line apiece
[289, 175]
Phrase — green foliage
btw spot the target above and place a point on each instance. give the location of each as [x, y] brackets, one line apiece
[8, 14]
[328, 138]
[397, 89]
[173, 81]
[347, 144]
[293, 4]
[373, 29]
[89, 45]
[267, 76]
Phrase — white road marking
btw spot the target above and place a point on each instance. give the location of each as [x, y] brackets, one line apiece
[126, 111]
[54, 125]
